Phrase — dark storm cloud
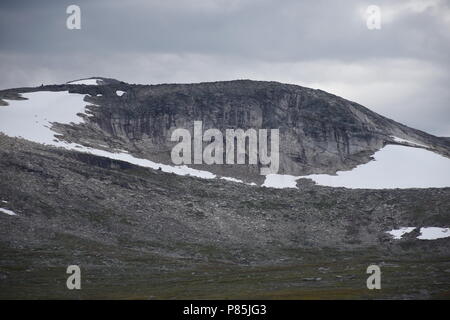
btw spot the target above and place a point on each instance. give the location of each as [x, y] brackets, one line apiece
[400, 71]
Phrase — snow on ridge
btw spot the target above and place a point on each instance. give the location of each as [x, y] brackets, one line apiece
[231, 179]
[426, 233]
[399, 233]
[122, 156]
[280, 181]
[432, 233]
[400, 140]
[89, 82]
[8, 212]
[31, 118]
[395, 166]
[120, 93]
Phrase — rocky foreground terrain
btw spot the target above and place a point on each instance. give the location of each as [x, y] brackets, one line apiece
[139, 233]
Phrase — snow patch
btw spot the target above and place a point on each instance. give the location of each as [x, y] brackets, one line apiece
[280, 181]
[400, 140]
[126, 157]
[395, 166]
[31, 119]
[88, 82]
[426, 233]
[432, 233]
[120, 93]
[8, 212]
[232, 179]
[398, 233]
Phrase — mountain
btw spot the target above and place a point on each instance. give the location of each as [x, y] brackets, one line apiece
[86, 179]
[319, 132]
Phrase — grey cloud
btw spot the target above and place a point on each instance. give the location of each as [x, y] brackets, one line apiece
[270, 30]
[401, 71]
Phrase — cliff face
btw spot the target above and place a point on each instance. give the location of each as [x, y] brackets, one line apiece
[319, 132]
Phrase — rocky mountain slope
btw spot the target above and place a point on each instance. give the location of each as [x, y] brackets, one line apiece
[319, 132]
[140, 233]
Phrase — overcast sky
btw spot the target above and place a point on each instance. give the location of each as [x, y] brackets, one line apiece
[400, 71]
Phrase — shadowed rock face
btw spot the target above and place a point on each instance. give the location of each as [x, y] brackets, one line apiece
[319, 132]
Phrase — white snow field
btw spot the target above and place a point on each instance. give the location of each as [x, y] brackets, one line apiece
[398, 233]
[432, 233]
[232, 179]
[426, 233]
[120, 92]
[91, 82]
[31, 119]
[8, 212]
[400, 140]
[395, 166]
[280, 181]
